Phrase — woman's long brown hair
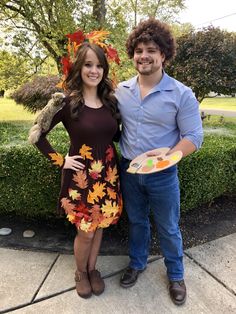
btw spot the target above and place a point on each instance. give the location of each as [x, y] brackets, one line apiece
[73, 84]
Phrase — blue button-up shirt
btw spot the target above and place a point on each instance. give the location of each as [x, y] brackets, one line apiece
[162, 118]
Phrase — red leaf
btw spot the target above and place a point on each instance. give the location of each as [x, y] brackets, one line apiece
[77, 37]
[112, 54]
[66, 65]
[109, 153]
[82, 208]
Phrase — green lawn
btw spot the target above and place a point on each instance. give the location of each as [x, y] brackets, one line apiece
[9, 111]
[225, 103]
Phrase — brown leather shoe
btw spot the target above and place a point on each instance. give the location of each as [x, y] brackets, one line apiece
[83, 286]
[177, 290]
[96, 281]
[130, 277]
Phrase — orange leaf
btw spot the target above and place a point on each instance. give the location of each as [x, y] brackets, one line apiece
[81, 179]
[57, 159]
[111, 175]
[71, 218]
[111, 193]
[66, 204]
[96, 215]
[106, 222]
[97, 36]
[98, 192]
[85, 152]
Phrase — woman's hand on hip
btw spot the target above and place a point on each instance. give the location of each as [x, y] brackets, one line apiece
[72, 163]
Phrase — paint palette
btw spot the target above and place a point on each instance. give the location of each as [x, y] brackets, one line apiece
[158, 161]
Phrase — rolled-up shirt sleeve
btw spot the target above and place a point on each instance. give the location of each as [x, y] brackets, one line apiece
[189, 119]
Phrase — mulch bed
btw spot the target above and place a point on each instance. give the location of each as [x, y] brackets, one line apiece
[198, 226]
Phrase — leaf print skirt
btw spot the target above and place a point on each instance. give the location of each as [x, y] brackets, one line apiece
[93, 198]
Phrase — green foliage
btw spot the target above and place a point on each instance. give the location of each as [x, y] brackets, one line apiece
[206, 61]
[30, 184]
[208, 173]
[24, 190]
[14, 70]
[35, 94]
[132, 10]
[38, 27]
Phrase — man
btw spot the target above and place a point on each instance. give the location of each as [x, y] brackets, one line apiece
[157, 111]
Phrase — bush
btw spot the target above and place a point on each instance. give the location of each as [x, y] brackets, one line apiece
[208, 173]
[30, 184]
[34, 95]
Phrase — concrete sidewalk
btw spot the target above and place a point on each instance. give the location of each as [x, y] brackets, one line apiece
[36, 282]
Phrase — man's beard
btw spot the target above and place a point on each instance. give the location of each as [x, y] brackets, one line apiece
[152, 69]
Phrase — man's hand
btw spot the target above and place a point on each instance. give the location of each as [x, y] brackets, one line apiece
[72, 163]
[153, 152]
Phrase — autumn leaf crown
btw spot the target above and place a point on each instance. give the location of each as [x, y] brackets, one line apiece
[76, 39]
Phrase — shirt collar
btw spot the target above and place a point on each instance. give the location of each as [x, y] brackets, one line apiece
[132, 83]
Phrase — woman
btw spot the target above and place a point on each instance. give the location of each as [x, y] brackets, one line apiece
[90, 193]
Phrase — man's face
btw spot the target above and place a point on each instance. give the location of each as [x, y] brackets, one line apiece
[148, 58]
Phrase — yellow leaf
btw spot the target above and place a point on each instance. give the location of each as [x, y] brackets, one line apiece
[70, 217]
[57, 159]
[74, 194]
[110, 209]
[85, 152]
[84, 225]
[96, 168]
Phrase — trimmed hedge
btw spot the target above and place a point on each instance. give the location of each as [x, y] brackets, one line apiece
[208, 173]
[30, 184]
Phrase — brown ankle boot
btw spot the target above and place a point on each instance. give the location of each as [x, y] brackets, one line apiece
[97, 283]
[83, 286]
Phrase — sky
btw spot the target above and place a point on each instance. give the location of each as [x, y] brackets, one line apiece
[202, 13]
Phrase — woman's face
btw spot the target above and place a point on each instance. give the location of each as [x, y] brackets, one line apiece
[92, 71]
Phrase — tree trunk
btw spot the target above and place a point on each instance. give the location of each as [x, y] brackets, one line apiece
[99, 11]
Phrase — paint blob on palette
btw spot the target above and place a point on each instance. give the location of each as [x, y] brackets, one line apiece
[155, 161]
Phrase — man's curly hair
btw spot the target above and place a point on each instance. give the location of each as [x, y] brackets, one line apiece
[152, 30]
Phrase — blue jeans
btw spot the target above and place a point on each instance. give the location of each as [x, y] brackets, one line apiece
[160, 192]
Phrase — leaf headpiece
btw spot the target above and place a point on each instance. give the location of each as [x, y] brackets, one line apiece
[76, 39]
